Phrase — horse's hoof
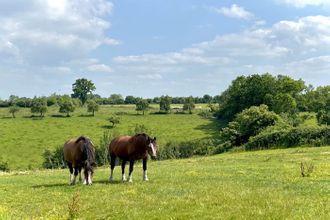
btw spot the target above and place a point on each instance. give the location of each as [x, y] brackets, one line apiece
[146, 179]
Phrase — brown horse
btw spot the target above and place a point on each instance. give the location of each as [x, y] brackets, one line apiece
[80, 153]
[131, 148]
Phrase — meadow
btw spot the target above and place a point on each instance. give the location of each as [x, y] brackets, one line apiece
[234, 185]
[24, 139]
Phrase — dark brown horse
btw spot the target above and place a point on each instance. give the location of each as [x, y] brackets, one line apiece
[131, 148]
[80, 154]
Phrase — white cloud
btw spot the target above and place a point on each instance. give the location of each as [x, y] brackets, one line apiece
[48, 32]
[150, 76]
[304, 3]
[99, 68]
[297, 47]
[235, 11]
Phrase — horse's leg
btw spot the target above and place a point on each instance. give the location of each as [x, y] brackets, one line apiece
[112, 166]
[76, 171]
[79, 174]
[145, 177]
[123, 177]
[71, 172]
[131, 166]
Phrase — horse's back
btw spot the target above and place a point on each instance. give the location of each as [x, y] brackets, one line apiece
[119, 146]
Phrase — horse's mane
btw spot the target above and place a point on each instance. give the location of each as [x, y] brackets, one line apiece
[88, 153]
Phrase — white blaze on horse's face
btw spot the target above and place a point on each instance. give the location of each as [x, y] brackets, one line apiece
[152, 150]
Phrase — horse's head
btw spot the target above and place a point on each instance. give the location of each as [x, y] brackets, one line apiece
[152, 147]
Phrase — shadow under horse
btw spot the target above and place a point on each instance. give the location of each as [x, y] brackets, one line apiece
[80, 154]
[131, 148]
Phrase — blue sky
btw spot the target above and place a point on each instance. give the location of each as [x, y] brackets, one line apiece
[150, 48]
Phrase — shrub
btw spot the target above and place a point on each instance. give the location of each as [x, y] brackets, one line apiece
[54, 159]
[92, 106]
[114, 120]
[4, 165]
[248, 123]
[290, 137]
[13, 110]
[101, 151]
[186, 149]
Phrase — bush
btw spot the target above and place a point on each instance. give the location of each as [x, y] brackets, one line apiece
[4, 165]
[248, 123]
[114, 120]
[186, 149]
[290, 137]
[101, 151]
[54, 159]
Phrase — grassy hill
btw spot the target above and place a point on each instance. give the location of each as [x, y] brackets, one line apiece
[237, 185]
[23, 139]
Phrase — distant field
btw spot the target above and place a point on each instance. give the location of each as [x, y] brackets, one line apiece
[242, 185]
[23, 139]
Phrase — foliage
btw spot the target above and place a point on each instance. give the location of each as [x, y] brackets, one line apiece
[74, 206]
[54, 159]
[306, 169]
[39, 105]
[165, 104]
[314, 99]
[186, 149]
[114, 120]
[81, 88]
[4, 165]
[255, 90]
[66, 105]
[248, 123]
[323, 117]
[290, 137]
[101, 150]
[189, 104]
[92, 106]
[283, 103]
[13, 110]
[142, 105]
[116, 99]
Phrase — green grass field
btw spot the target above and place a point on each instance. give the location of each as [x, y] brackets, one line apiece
[23, 139]
[236, 185]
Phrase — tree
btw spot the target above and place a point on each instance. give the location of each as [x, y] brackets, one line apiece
[116, 99]
[283, 103]
[81, 88]
[189, 104]
[114, 120]
[13, 110]
[142, 105]
[39, 105]
[131, 99]
[66, 105]
[92, 106]
[255, 90]
[207, 98]
[165, 104]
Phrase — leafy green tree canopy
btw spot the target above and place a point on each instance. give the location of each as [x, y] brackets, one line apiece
[92, 106]
[39, 106]
[142, 105]
[81, 88]
[254, 90]
[67, 105]
[165, 104]
[249, 123]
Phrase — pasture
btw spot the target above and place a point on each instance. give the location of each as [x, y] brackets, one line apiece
[234, 185]
[23, 139]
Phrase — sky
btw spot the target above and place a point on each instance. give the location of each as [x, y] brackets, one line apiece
[150, 48]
